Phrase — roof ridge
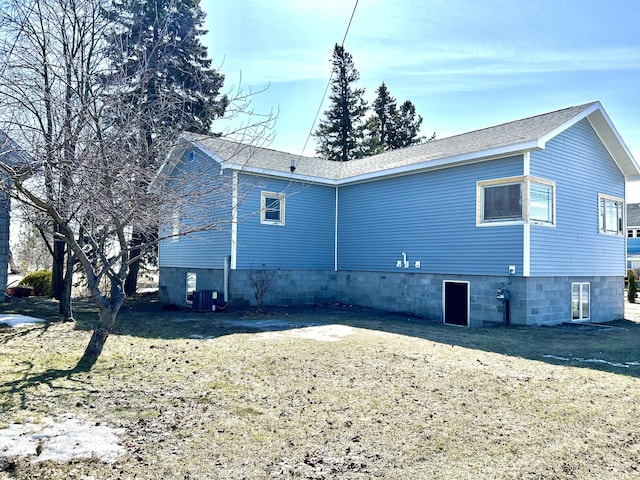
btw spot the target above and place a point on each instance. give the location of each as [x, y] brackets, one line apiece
[583, 106]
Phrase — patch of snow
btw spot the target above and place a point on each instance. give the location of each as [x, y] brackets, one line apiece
[555, 357]
[14, 320]
[594, 360]
[323, 333]
[61, 440]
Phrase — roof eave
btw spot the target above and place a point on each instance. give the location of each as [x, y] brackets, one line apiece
[279, 174]
[614, 144]
[465, 158]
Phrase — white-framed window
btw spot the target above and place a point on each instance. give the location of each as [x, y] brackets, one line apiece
[175, 225]
[580, 301]
[523, 199]
[272, 208]
[610, 214]
[191, 286]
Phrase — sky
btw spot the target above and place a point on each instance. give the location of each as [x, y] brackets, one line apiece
[465, 64]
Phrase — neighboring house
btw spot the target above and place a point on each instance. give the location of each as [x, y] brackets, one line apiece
[533, 206]
[633, 235]
[10, 154]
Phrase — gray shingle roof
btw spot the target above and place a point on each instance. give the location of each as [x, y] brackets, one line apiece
[504, 139]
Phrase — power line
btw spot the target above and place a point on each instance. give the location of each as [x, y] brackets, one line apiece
[353, 12]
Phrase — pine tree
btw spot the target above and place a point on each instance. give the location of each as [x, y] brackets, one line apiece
[386, 115]
[371, 143]
[340, 133]
[632, 290]
[156, 51]
[391, 127]
[161, 65]
[407, 127]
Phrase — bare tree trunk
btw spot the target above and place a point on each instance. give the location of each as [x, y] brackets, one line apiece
[131, 282]
[94, 349]
[65, 300]
[57, 271]
[98, 339]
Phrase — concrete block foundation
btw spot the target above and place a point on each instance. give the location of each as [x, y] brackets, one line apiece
[533, 300]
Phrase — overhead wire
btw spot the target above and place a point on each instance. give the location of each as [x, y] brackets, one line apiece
[313, 124]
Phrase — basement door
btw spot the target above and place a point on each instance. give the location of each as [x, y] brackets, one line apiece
[456, 303]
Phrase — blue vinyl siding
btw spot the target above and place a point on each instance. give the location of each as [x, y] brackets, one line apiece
[431, 217]
[305, 241]
[582, 168]
[204, 249]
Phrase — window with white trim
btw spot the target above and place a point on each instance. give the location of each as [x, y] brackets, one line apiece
[190, 284]
[611, 214]
[272, 208]
[523, 199]
[580, 301]
[175, 225]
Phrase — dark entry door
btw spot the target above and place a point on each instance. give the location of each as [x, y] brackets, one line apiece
[456, 303]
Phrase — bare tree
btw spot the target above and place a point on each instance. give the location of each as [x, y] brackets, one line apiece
[83, 168]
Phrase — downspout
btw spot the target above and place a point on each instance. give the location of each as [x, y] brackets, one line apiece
[227, 262]
[335, 236]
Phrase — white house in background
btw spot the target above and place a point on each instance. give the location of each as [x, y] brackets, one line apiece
[11, 154]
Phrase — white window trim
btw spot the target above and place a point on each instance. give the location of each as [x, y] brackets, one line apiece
[618, 233]
[588, 317]
[175, 225]
[526, 181]
[191, 284]
[263, 209]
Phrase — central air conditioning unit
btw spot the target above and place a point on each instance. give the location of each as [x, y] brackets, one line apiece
[204, 300]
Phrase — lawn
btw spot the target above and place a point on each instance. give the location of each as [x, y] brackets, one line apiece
[356, 394]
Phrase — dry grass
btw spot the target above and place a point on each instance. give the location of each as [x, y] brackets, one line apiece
[400, 398]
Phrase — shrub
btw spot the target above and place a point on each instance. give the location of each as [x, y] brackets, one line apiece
[632, 289]
[40, 281]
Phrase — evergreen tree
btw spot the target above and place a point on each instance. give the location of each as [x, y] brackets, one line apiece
[386, 115]
[407, 127]
[371, 143]
[161, 65]
[391, 127]
[156, 51]
[340, 133]
[632, 288]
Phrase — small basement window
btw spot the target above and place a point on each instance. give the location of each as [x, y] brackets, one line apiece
[611, 215]
[580, 301]
[191, 282]
[272, 208]
[523, 199]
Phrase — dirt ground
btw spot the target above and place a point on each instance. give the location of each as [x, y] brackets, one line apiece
[335, 392]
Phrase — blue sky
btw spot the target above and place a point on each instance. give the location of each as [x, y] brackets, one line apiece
[465, 64]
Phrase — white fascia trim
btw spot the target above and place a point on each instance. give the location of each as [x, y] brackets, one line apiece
[480, 156]
[616, 147]
[277, 174]
[569, 123]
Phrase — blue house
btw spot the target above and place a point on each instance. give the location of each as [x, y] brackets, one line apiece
[633, 235]
[521, 221]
